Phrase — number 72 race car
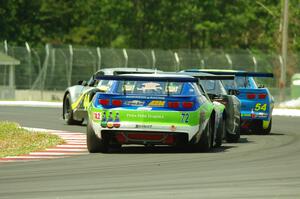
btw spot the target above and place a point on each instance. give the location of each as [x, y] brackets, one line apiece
[152, 110]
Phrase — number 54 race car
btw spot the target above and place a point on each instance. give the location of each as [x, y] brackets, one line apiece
[257, 101]
[166, 109]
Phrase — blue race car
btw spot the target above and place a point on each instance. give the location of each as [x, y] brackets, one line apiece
[257, 101]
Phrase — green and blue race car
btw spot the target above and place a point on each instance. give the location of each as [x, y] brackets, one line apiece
[149, 110]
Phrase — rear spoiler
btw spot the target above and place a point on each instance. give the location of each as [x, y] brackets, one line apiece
[147, 78]
[214, 77]
[237, 73]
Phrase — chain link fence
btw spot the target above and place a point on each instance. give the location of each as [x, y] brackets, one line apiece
[54, 68]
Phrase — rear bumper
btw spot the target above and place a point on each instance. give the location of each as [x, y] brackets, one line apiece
[255, 115]
[145, 138]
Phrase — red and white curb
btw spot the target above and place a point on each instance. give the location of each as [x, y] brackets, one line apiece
[75, 144]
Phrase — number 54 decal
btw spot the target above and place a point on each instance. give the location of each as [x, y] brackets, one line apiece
[260, 106]
[185, 117]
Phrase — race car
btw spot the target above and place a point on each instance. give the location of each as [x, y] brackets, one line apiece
[257, 101]
[230, 127]
[77, 98]
[151, 110]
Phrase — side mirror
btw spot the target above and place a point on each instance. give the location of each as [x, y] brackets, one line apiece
[233, 92]
[261, 86]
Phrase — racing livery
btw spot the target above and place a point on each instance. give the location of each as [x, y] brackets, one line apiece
[257, 101]
[77, 97]
[230, 125]
[162, 110]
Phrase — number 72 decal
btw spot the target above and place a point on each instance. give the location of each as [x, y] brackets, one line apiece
[185, 117]
[260, 106]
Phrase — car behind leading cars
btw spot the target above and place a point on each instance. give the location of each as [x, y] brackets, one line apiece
[77, 98]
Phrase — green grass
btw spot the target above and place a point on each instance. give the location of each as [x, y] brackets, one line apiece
[15, 140]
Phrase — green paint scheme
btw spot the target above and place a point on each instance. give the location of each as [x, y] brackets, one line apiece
[165, 117]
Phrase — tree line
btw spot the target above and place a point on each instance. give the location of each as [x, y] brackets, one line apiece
[166, 24]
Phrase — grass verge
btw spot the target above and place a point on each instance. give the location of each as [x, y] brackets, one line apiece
[15, 140]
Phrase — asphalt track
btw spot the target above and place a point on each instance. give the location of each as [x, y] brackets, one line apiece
[257, 167]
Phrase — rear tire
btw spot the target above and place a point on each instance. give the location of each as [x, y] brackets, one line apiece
[234, 138]
[68, 112]
[220, 133]
[205, 142]
[95, 144]
[266, 131]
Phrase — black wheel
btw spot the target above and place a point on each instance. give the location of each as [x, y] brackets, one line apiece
[95, 144]
[267, 130]
[220, 133]
[206, 140]
[234, 138]
[68, 112]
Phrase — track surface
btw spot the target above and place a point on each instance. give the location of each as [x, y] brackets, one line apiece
[258, 167]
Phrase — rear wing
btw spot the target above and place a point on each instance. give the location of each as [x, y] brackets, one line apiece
[214, 77]
[147, 78]
[235, 73]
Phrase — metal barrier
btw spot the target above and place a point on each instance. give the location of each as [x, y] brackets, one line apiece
[54, 68]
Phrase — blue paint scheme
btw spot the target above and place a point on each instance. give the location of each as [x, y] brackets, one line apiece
[261, 108]
[187, 94]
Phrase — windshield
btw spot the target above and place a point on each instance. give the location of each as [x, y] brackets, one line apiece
[156, 88]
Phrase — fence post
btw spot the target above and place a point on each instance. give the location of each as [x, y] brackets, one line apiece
[126, 57]
[69, 76]
[229, 60]
[29, 63]
[153, 59]
[177, 61]
[255, 63]
[45, 67]
[5, 68]
[99, 58]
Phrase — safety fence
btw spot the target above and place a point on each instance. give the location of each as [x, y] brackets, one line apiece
[54, 68]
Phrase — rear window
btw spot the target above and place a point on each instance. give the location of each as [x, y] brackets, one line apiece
[239, 82]
[155, 88]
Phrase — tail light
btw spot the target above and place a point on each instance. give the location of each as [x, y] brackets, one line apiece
[187, 104]
[104, 102]
[251, 95]
[116, 102]
[262, 96]
[173, 104]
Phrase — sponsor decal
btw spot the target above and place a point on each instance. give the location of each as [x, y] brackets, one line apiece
[97, 116]
[109, 121]
[117, 121]
[134, 103]
[141, 115]
[144, 108]
[157, 103]
[173, 128]
[103, 121]
[143, 126]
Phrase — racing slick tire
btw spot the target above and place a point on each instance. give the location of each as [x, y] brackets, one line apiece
[206, 141]
[68, 112]
[234, 138]
[220, 133]
[266, 131]
[95, 144]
